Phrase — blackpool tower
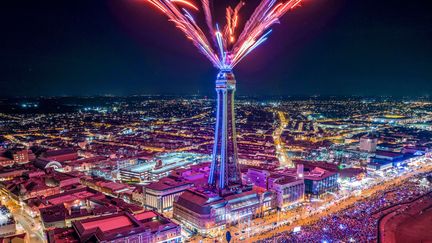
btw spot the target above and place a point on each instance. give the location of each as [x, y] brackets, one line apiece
[224, 172]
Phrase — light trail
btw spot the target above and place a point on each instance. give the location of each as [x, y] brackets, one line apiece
[226, 47]
[185, 3]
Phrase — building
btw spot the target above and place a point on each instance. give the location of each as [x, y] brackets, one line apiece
[160, 166]
[288, 190]
[15, 156]
[287, 187]
[138, 195]
[145, 227]
[368, 143]
[61, 155]
[319, 181]
[9, 173]
[38, 184]
[46, 163]
[61, 210]
[108, 187]
[379, 165]
[159, 196]
[258, 177]
[207, 213]
[83, 164]
[21, 156]
[387, 155]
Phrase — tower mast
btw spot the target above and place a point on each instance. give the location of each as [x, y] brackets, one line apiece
[225, 172]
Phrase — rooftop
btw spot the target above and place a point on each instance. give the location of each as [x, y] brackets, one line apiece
[108, 223]
[166, 183]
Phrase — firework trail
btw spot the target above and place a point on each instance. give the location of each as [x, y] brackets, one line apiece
[226, 47]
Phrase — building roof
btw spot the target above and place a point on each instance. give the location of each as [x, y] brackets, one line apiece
[107, 227]
[318, 174]
[72, 195]
[195, 201]
[167, 183]
[108, 223]
[388, 154]
[286, 180]
[120, 225]
[51, 153]
[145, 215]
[202, 201]
[54, 213]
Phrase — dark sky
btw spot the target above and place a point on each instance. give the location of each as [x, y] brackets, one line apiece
[337, 47]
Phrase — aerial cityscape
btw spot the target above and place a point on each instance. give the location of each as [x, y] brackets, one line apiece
[90, 157]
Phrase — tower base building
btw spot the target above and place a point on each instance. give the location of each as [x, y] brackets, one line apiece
[207, 213]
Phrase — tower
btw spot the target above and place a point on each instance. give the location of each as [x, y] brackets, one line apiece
[224, 171]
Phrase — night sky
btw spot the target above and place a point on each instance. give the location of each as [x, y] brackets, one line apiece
[326, 47]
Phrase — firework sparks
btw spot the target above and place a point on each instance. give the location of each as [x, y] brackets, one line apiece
[225, 48]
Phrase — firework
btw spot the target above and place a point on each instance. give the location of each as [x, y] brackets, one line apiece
[225, 47]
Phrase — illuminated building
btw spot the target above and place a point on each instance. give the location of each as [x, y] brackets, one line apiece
[380, 165]
[160, 195]
[385, 159]
[387, 155]
[288, 190]
[258, 177]
[145, 227]
[208, 213]
[36, 184]
[319, 181]
[160, 166]
[15, 156]
[368, 143]
[21, 156]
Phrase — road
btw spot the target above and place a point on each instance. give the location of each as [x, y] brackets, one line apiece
[279, 144]
[32, 227]
[33, 235]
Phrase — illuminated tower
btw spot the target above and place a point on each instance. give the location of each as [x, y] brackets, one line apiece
[224, 171]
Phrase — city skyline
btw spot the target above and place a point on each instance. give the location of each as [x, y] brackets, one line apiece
[104, 47]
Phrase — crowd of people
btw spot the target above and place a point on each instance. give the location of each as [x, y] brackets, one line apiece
[358, 223]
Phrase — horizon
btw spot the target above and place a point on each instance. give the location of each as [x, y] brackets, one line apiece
[213, 97]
